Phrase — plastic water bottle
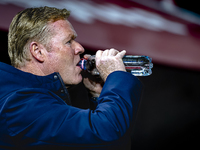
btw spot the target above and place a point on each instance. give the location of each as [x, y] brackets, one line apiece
[136, 65]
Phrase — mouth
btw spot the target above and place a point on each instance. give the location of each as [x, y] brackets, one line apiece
[80, 63]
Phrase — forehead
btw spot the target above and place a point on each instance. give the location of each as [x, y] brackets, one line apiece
[61, 27]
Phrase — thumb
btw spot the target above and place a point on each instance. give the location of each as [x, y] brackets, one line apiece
[121, 54]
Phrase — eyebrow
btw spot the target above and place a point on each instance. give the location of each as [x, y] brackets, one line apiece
[72, 36]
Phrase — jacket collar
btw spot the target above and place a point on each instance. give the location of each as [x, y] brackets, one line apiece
[18, 79]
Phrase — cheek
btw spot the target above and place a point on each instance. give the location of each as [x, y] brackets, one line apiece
[61, 58]
[53, 62]
[53, 58]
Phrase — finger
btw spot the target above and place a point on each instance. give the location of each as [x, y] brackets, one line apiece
[98, 54]
[88, 83]
[113, 52]
[105, 52]
[85, 80]
[95, 88]
[121, 54]
[86, 56]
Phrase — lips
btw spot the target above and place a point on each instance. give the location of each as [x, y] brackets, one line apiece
[80, 63]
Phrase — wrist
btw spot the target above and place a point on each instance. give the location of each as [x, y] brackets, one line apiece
[94, 99]
[94, 94]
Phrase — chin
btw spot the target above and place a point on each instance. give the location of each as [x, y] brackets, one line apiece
[77, 80]
[80, 79]
[72, 79]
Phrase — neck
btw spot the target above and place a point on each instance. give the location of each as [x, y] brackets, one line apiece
[34, 68]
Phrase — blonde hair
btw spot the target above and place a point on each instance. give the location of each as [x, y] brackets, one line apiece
[31, 25]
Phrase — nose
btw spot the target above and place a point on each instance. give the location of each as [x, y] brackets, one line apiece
[78, 48]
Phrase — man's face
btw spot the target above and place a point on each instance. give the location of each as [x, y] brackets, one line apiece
[63, 52]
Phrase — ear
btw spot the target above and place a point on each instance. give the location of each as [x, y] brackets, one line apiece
[37, 51]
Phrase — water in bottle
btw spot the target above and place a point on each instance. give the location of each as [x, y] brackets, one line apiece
[136, 65]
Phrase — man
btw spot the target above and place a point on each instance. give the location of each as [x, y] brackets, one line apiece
[35, 107]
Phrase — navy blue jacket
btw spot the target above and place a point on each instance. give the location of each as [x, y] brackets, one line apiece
[35, 112]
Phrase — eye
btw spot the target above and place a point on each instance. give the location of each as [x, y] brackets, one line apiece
[69, 42]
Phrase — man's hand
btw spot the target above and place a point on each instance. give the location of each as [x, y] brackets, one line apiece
[93, 87]
[93, 83]
[109, 61]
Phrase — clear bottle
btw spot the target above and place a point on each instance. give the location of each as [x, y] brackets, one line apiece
[136, 65]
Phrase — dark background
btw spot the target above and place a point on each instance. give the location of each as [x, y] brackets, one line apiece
[169, 112]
